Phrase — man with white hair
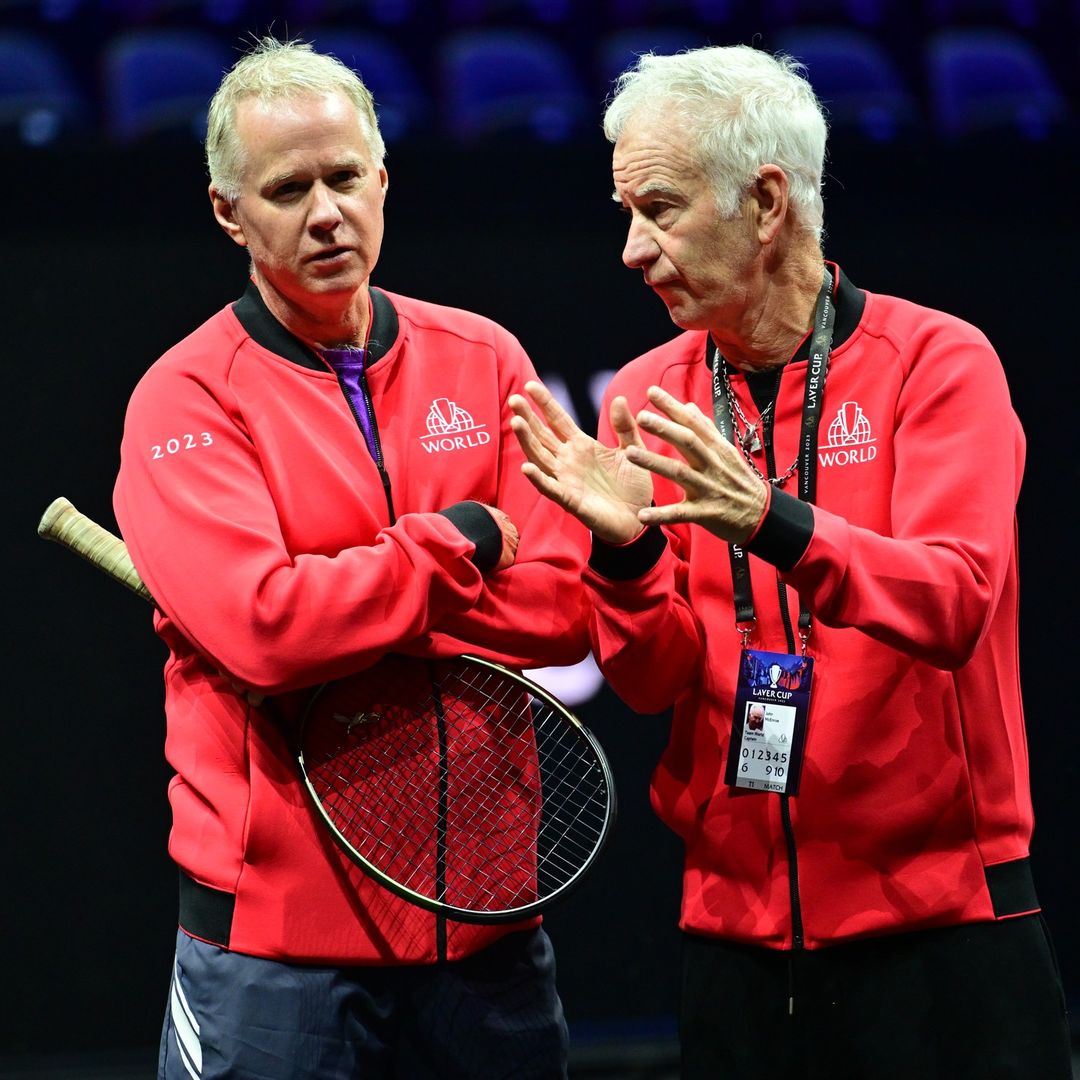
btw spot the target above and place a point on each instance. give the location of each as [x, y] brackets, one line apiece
[320, 475]
[807, 500]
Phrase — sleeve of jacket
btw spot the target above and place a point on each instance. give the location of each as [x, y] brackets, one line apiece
[646, 639]
[531, 614]
[930, 587]
[206, 539]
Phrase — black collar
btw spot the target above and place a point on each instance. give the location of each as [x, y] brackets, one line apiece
[265, 330]
[849, 303]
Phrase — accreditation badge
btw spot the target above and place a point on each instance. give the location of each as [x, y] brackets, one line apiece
[772, 704]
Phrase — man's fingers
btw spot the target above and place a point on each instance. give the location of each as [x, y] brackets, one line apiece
[525, 413]
[530, 436]
[543, 483]
[678, 435]
[670, 468]
[668, 402]
[623, 424]
[559, 420]
[672, 514]
[682, 412]
[542, 434]
[509, 533]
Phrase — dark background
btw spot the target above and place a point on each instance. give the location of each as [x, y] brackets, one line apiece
[110, 254]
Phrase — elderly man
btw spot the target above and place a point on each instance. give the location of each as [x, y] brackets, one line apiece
[806, 500]
[290, 495]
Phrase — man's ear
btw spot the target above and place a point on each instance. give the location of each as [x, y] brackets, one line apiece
[225, 212]
[770, 198]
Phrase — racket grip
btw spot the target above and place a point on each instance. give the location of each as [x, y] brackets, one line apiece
[63, 524]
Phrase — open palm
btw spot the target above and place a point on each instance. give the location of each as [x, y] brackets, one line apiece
[598, 484]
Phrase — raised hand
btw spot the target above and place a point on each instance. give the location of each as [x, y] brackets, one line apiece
[721, 492]
[598, 484]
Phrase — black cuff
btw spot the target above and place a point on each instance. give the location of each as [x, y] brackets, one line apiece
[474, 523]
[628, 561]
[786, 532]
[1012, 890]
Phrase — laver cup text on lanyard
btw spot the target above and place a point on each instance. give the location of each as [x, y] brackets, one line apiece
[772, 697]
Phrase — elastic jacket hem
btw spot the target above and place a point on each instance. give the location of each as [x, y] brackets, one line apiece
[206, 913]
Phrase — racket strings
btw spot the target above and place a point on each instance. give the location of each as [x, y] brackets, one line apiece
[565, 771]
[525, 798]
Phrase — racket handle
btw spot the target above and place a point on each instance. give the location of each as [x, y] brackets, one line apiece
[64, 524]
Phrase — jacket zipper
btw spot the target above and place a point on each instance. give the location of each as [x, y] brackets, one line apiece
[377, 454]
[797, 939]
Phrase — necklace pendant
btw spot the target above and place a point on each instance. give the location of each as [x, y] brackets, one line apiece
[750, 441]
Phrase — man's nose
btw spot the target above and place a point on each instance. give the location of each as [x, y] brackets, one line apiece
[325, 212]
[640, 248]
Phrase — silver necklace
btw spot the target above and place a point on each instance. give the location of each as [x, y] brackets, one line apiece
[748, 440]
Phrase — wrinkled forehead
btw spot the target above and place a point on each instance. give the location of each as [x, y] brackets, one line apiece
[653, 154]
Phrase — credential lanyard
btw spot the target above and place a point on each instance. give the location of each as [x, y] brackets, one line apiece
[813, 400]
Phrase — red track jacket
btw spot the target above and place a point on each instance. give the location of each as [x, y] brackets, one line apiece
[914, 809]
[260, 523]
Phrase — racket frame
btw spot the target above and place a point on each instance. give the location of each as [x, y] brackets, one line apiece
[469, 915]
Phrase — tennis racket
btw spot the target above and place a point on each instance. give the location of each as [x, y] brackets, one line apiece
[459, 785]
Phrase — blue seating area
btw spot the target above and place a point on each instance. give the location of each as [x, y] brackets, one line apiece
[469, 71]
[855, 75]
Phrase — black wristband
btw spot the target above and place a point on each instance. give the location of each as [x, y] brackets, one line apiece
[786, 532]
[475, 523]
[628, 561]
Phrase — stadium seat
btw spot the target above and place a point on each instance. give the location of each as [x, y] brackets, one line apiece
[400, 102]
[855, 79]
[40, 15]
[145, 13]
[39, 100]
[496, 83]
[461, 13]
[861, 13]
[159, 82]
[620, 49]
[298, 15]
[1024, 14]
[983, 81]
[713, 13]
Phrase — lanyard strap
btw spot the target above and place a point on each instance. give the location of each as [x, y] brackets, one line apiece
[805, 463]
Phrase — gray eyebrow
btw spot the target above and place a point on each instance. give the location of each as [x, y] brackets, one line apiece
[648, 188]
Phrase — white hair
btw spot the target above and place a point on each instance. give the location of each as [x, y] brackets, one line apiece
[742, 108]
[274, 70]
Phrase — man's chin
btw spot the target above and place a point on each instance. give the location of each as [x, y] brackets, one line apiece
[683, 318]
[331, 284]
[679, 311]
